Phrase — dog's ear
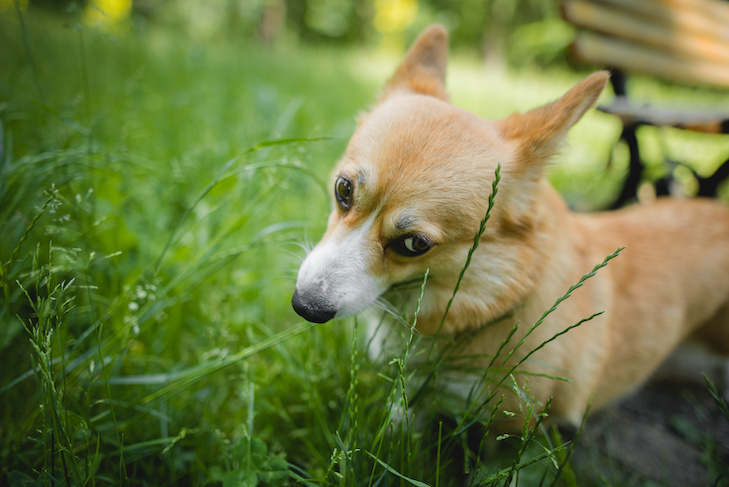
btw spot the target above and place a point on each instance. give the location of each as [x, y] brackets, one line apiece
[424, 68]
[539, 133]
[536, 136]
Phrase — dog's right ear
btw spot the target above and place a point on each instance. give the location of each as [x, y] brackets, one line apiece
[424, 68]
[540, 132]
[536, 137]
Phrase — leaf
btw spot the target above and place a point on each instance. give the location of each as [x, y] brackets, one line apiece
[258, 451]
[398, 474]
[216, 474]
[271, 143]
[20, 479]
[275, 470]
[241, 478]
[262, 468]
[686, 429]
[723, 407]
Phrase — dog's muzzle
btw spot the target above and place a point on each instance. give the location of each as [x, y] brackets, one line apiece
[310, 309]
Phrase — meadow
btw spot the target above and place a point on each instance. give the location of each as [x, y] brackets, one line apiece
[157, 193]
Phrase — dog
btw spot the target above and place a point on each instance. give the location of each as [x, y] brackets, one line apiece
[410, 193]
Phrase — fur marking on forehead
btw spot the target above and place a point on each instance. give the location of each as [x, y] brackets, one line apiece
[406, 222]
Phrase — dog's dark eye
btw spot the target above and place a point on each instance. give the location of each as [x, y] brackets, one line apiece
[411, 245]
[343, 192]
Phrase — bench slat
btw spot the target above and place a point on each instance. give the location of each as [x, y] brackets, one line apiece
[658, 30]
[628, 56]
[634, 113]
[709, 17]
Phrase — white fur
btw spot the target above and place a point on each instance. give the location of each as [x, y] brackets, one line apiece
[336, 272]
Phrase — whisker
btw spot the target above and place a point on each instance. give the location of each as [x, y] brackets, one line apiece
[302, 242]
[290, 274]
[296, 254]
[297, 257]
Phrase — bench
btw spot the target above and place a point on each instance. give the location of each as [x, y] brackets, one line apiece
[684, 41]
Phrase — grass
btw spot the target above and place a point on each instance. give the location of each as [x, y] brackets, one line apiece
[154, 194]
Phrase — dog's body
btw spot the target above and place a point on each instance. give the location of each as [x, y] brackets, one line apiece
[410, 193]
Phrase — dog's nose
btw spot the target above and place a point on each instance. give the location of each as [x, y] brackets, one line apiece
[310, 310]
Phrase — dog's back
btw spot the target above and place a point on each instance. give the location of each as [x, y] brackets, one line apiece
[670, 283]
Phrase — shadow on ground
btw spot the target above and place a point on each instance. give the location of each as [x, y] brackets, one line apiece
[667, 434]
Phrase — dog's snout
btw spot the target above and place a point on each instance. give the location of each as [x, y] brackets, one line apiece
[310, 309]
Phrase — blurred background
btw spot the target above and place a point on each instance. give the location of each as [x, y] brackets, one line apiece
[521, 30]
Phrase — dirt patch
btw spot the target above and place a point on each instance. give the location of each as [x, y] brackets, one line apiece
[668, 434]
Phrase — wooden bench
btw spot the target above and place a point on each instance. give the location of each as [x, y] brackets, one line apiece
[685, 41]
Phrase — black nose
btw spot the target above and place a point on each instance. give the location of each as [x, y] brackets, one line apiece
[310, 310]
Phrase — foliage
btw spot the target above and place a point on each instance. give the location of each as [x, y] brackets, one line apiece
[144, 224]
[523, 30]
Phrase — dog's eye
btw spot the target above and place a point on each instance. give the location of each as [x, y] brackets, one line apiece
[411, 245]
[343, 192]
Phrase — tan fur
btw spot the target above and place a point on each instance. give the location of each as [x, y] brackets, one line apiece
[421, 166]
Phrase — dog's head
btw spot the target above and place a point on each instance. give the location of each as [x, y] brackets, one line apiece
[413, 186]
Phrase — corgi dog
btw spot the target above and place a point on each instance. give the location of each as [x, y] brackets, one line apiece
[409, 195]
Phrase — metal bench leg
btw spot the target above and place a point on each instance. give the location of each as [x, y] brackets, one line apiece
[708, 186]
[629, 191]
[635, 169]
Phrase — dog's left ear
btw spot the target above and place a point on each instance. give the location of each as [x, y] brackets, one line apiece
[540, 132]
[424, 68]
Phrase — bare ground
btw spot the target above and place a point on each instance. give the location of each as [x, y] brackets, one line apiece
[669, 433]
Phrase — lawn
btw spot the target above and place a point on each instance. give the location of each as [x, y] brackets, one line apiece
[157, 193]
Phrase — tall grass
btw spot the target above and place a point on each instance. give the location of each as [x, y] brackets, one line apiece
[154, 192]
[148, 226]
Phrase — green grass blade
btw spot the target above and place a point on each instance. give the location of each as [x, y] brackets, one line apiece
[387, 467]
